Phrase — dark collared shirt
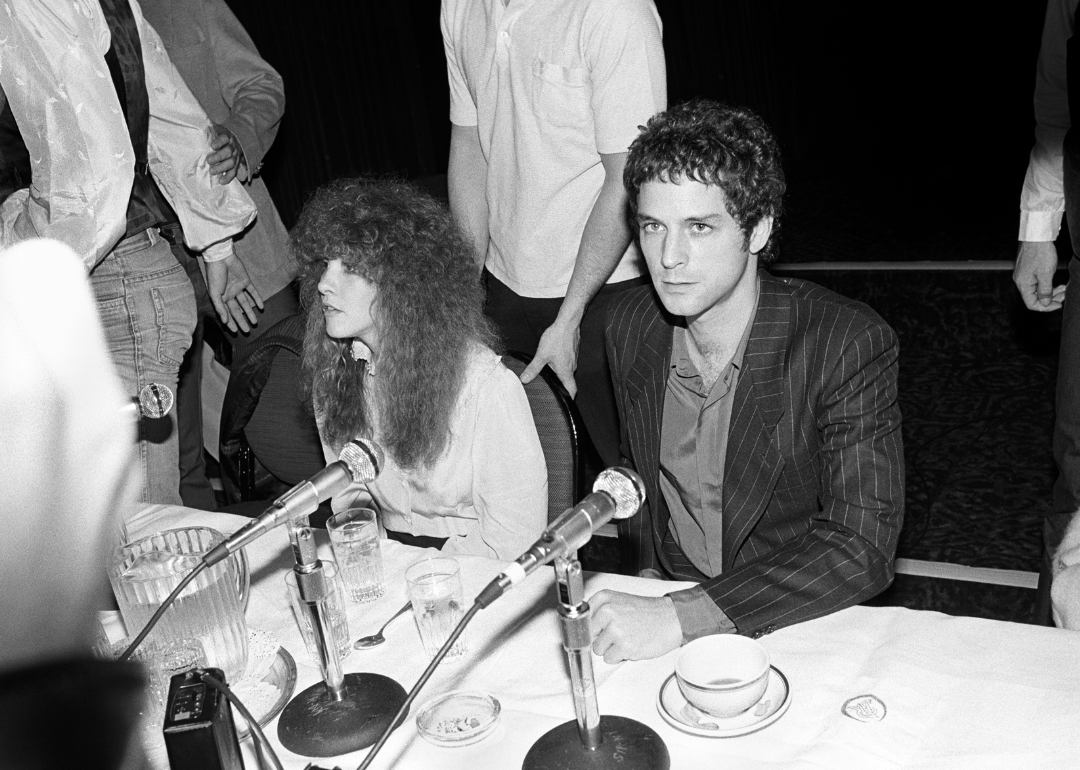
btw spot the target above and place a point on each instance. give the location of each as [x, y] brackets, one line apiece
[693, 449]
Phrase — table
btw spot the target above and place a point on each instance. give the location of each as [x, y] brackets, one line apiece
[960, 692]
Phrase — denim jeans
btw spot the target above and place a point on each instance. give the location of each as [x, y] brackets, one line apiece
[147, 309]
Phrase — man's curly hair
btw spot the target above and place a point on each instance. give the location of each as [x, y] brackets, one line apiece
[716, 144]
[428, 312]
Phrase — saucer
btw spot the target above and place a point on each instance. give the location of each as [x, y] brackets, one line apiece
[680, 714]
[279, 682]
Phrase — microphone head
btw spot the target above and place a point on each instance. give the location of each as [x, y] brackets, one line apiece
[625, 487]
[156, 400]
[363, 458]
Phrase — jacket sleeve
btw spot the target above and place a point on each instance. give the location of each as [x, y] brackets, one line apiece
[1042, 198]
[178, 146]
[253, 90]
[846, 554]
[61, 95]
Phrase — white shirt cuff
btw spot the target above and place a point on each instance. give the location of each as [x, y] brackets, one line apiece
[216, 252]
[1039, 225]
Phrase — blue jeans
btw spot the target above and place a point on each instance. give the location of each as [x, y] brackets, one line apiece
[147, 309]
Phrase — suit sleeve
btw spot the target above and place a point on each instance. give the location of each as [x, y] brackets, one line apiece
[846, 555]
[253, 90]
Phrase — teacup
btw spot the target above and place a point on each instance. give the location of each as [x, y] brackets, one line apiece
[723, 675]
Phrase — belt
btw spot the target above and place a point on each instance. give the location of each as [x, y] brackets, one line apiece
[173, 234]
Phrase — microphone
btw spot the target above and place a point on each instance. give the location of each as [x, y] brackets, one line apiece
[617, 493]
[360, 461]
[154, 401]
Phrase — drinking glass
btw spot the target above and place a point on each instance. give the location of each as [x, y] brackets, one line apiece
[335, 606]
[208, 614]
[159, 664]
[354, 535]
[435, 591]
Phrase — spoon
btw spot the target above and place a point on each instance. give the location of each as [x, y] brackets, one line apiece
[367, 642]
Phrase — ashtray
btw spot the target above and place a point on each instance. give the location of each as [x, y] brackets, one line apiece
[458, 718]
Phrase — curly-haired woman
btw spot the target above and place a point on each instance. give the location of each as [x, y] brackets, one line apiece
[398, 350]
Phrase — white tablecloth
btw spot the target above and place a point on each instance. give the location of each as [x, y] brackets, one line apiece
[959, 692]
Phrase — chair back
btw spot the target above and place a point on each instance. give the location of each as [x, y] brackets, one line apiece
[269, 440]
[558, 424]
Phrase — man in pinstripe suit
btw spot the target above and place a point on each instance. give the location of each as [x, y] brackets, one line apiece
[761, 412]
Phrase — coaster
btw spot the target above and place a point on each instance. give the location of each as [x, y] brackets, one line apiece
[865, 708]
[678, 712]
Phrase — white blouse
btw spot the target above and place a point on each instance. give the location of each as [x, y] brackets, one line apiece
[487, 493]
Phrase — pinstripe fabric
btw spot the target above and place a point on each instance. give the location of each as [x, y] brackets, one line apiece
[814, 477]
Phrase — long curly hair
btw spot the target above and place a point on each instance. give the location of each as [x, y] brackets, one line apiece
[715, 144]
[428, 313]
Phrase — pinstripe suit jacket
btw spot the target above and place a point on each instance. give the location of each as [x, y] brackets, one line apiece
[813, 494]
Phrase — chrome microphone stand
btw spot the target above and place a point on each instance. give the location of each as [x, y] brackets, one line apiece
[344, 712]
[592, 740]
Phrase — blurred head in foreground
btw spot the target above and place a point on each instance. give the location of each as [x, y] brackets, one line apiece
[66, 449]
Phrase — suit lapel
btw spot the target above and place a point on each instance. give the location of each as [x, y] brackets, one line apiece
[645, 388]
[754, 461]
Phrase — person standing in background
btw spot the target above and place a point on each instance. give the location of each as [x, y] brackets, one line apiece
[1051, 189]
[545, 99]
[244, 97]
[117, 148]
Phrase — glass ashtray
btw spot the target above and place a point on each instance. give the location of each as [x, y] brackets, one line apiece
[458, 718]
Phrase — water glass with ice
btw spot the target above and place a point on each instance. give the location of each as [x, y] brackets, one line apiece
[333, 605]
[435, 591]
[354, 535]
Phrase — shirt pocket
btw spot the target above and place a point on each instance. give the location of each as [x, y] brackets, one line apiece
[561, 94]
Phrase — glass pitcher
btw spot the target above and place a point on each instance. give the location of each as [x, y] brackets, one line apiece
[209, 612]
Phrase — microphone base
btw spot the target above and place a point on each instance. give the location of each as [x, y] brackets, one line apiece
[314, 725]
[628, 745]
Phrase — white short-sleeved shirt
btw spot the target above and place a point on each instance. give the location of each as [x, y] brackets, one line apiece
[551, 85]
[487, 493]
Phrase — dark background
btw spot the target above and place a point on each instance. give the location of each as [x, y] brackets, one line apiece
[894, 118]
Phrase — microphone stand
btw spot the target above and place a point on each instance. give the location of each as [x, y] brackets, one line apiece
[344, 712]
[591, 740]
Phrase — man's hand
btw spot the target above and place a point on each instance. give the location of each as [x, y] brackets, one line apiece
[628, 627]
[227, 157]
[1036, 262]
[558, 347]
[235, 298]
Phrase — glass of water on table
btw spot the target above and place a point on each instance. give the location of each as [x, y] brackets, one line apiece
[436, 594]
[354, 535]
